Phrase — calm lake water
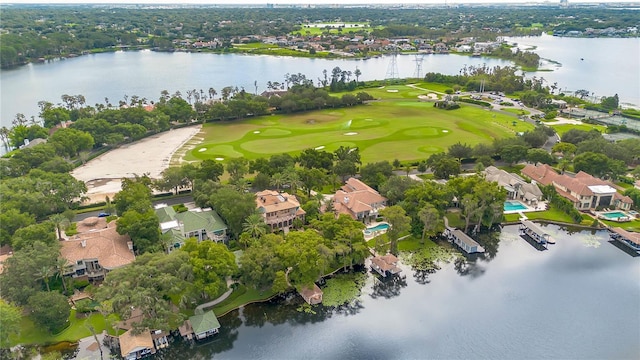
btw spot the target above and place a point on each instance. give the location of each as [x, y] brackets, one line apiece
[609, 66]
[578, 300]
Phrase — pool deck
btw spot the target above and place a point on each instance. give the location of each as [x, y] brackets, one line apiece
[541, 206]
[602, 215]
[374, 233]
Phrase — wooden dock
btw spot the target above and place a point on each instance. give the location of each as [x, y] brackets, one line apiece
[535, 233]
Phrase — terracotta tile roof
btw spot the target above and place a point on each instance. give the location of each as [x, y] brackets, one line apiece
[106, 245]
[355, 197]
[541, 173]
[271, 201]
[131, 343]
[312, 295]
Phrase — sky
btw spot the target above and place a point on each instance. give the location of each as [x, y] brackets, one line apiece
[285, 2]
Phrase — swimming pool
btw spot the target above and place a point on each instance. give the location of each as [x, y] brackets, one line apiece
[614, 215]
[513, 206]
[381, 226]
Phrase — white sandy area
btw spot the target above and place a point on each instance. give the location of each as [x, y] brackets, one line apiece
[148, 156]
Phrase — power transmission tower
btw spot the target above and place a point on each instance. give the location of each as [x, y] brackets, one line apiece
[392, 70]
[419, 58]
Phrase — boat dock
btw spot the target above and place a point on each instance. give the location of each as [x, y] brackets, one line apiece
[628, 238]
[464, 241]
[535, 233]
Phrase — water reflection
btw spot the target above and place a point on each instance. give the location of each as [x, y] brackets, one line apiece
[388, 287]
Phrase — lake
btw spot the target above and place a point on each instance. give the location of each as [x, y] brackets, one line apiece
[147, 73]
[578, 300]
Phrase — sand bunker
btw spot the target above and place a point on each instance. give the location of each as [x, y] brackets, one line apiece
[219, 158]
[392, 91]
[445, 131]
[319, 147]
[203, 149]
[256, 132]
[350, 133]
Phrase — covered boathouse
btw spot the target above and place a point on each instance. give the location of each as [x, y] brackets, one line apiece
[533, 231]
[464, 241]
[386, 264]
[628, 238]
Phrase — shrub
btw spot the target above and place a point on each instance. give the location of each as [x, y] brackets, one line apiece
[86, 305]
[72, 229]
[79, 284]
[476, 102]
[180, 208]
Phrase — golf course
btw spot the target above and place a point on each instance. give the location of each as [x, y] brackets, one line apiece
[399, 125]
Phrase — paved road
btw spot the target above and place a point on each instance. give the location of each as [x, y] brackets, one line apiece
[172, 201]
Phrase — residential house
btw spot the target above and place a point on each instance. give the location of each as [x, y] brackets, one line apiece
[312, 295]
[586, 192]
[202, 224]
[637, 184]
[358, 200]
[159, 338]
[200, 326]
[136, 346]
[517, 188]
[278, 209]
[96, 250]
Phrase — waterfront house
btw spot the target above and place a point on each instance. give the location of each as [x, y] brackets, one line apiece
[136, 346]
[628, 238]
[358, 200]
[97, 250]
[202, 224]
[517, 188]
[312, 295]
[386, 264]
[278, 209]
[200, 326]
[586, 192]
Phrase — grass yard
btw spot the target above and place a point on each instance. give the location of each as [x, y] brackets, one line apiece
[563, 128]
[516, 111]
[629, 225]
[78, 328]
[398, 127]
[241, 296]
[319, 29]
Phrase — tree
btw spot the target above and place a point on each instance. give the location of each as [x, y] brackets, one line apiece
[598, 165]
[540, 156]
[237, 168]
[430, 220]
[395, 187]
[610, 102]
[565, 148]
[135, 195]
[375, 174]
[28, 235]
[69, 142]
[211, 263]
[50, 310]
[147, 285]
[233, 206]
[255, 226]
[11, 220]
[513, 153]
[10, 317]
[399, 222]
[443, 165]
[634, 194]
[19, 280]
[173, 178]
[460, 151]
[143, 228]
[61, 222]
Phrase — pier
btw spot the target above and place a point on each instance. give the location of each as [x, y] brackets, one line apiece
[535, 233]
[628, 238]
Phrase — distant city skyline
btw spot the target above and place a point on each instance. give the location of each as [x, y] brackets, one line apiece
[303, 2]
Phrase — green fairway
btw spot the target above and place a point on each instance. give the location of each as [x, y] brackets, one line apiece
[334, 28]
[397, 127]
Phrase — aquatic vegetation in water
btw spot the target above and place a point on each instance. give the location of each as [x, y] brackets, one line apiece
[343, 289]
[428, 258]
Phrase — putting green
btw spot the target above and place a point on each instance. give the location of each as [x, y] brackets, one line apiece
[398, 127]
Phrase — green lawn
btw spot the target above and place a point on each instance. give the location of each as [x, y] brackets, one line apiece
[78, 328]
[516, 111]
[241, 296]
[629, 225]
[398, 127]
[563, 128]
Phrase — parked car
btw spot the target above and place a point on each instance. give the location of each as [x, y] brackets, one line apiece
[104, 214]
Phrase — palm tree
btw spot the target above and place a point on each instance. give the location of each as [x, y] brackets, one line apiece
[44, 273]
[277, 180]
[61, 222]
[254, 225]
[60, 267]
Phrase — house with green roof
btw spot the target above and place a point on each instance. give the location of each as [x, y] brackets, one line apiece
[200, 326]
[202, 224]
